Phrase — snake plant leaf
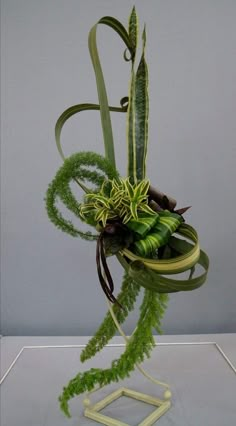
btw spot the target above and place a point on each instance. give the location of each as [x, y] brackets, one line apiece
[133, 35]
[130, 134]
[137, 120]
[141, 114]
[133, 31]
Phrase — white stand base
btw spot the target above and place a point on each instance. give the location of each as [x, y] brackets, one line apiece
[92, 411]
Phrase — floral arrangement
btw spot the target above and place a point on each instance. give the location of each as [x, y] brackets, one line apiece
[131, 219]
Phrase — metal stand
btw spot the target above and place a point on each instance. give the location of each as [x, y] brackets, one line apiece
[93, 411]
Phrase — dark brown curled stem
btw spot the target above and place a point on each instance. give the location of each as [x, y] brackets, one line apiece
[101, 257]
[99, 270]
[161, 199]
[105, 267]
[154, 206]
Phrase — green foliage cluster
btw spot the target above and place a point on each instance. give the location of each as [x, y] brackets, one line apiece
[118, 199]
[138, 347]
[76, 168]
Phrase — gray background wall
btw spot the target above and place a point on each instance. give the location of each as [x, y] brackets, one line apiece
[49, 284]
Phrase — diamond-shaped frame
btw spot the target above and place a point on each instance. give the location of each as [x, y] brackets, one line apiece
[93, 413]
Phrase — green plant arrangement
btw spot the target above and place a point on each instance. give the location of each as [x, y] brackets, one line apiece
[129, 218]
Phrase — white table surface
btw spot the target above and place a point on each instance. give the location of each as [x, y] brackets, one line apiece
[202, 379]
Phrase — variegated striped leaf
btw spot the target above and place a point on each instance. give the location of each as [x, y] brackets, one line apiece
[134, 209]
[130, 131]
[143, 225]
[129, 188]
[158, 235]
[137, 120]
[133, 32]
[143, 187]
[86, 209]
[146, 209]
[141, 104]
[127, 217]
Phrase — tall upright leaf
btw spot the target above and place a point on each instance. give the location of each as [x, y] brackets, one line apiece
[133, 35]
[141, 104]
[101, 88]
[130, 131]
[137, 127]
[133, 32]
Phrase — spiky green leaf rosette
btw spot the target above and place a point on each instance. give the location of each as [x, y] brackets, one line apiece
[130, 218]
[118, 199]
